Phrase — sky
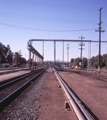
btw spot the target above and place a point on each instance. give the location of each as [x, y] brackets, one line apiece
[22, 20]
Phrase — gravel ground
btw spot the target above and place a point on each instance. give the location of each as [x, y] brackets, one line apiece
[24, 107]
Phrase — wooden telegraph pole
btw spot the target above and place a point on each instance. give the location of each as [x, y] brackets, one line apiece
[99, 66]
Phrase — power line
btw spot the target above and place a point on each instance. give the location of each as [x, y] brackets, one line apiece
[45, 30]
[22, 16]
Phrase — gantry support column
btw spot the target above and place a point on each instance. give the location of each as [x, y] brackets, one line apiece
[54, 52]
[29, 59]
[37, 61]
[33, 61]
[63, 55]
[89, 57]
[35, 55]
[42, 62]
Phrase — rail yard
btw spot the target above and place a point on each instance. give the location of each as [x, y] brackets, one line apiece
[46, 93]
[53, 60]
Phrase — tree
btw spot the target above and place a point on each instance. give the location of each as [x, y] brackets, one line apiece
[95, 60]
[84, 62]
[92, 61]
[5, 54]
[9, 55]
[72, 60]
[2, 53]
[22, 61]
[77, 60]
[104, 60]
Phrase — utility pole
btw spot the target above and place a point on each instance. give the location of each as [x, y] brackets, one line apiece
[81, 44]
[68, 53]
[99, 39]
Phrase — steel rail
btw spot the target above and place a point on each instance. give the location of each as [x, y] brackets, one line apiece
[5, 101]
[79, 110]
[19, 78]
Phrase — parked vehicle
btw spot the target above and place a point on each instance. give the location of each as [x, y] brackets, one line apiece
[5, 65]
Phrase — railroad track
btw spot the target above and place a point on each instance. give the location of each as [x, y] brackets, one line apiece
[79, 109]
[93, 75]
[11, 89]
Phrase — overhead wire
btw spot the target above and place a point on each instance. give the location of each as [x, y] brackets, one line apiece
[45, 30]
[46, 18]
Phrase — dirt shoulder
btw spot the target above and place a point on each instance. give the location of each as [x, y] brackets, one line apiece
[91, 91]
[52, 101]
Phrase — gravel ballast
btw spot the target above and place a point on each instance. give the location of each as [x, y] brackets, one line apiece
[23, 107]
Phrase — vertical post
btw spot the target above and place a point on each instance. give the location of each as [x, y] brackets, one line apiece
[106, 58]
[42, 62]
[38, 62]
[54, 52]
[33, 60]
[99, 40]
[43, 53]
[81, 44]
[81, 48]
[88, 58]
[68, 53]
[99, 66]
[63, 55]
[13, 57]
[29, 59]
[90, 54]
[25, 59]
